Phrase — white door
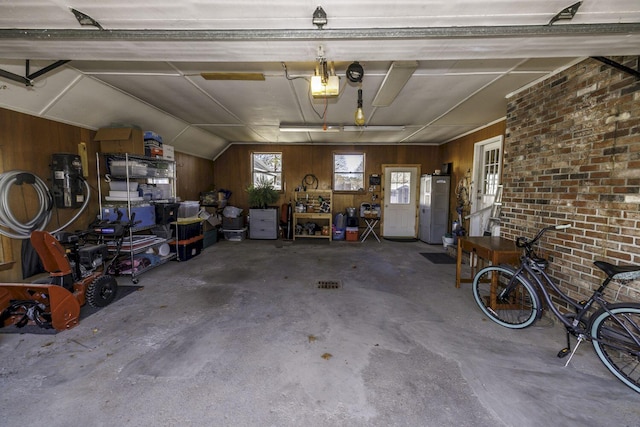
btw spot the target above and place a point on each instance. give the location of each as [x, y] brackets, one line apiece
[400, 201]
[487, 163]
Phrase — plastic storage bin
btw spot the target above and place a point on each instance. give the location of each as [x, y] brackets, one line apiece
[123, 186]
[188, 209]
[145, 215]
[166, 213]
[351, 234]
[235, 235]
[119, 168]
[187, 249]
[188, 229]
[210, 238]
[232, 223]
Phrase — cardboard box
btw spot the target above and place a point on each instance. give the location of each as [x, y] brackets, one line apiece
[120, 140]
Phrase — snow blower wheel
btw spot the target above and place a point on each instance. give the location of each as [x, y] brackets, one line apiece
[102, 291]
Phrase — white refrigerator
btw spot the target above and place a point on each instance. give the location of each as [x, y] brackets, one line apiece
[434, 208]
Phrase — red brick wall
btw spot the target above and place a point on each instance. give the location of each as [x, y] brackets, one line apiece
[572, 155]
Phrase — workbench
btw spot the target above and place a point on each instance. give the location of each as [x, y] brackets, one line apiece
[496, 250]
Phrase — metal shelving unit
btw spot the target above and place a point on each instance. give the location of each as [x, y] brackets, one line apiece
[143, 170]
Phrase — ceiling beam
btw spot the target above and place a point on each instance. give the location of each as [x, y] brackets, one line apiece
[326, 34]
[612, 63]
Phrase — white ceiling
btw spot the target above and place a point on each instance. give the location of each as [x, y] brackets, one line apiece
[143, 67]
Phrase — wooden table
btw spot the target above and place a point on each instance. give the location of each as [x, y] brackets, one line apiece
[495, 249]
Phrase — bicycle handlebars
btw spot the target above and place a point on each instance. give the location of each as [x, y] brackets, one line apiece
[523, 242]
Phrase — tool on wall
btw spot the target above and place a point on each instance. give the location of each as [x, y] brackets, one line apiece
[70, 190]
[66, 170]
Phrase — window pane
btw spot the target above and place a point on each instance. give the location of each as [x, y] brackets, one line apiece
[267, 167]
[400, 188]
[349, 163]
[348, 172]
[491, 172]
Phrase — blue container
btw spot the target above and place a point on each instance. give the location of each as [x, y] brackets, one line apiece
[338, 233]
[145, 215]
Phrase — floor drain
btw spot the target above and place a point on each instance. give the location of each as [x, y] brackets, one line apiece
[328, 284]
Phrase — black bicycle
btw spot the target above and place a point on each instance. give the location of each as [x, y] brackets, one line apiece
[514, 299]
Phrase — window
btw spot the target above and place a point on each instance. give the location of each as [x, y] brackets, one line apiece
[491, 171]
[348, 172]
[267, 167]
[400, 188]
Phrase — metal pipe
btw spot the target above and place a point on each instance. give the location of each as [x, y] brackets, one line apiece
[326, 34]
[618, 65]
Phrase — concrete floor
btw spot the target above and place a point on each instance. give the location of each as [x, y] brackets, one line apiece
[242, 336]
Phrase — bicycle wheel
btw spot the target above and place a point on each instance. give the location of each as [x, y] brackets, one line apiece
[616, 338]
[516, 310]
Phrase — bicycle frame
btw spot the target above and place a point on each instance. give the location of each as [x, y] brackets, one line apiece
[540, 280]
[514, 297]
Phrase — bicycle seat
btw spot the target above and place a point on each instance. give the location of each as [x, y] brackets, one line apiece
[622, 272]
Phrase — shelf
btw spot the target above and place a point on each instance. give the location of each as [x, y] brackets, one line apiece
[312, 236]
[318, 201]
[162, 260]
[139, 244]
[156, 178]
[312, 215]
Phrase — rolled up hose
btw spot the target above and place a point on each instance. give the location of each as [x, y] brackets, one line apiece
[41, 219]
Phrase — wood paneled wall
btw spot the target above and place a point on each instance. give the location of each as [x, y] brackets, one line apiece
[460, 153]
[233, 167]
[27, 143]
[194, 175]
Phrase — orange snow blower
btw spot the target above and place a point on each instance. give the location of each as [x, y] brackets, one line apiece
[76, 276]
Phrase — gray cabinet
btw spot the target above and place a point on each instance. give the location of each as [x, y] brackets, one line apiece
[263, 223]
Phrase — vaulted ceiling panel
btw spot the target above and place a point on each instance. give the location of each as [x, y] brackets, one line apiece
[197, 142]
[431, 97]
[477, 110]
[95, 105]
[36, 99]
[175, 95]
[144, 67]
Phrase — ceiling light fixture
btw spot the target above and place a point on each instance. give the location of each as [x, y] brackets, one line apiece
[359, 118]
[566, 13]
[338, 128]
[309, 128]
[233, 76]
[399, 128]
[397, 76]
